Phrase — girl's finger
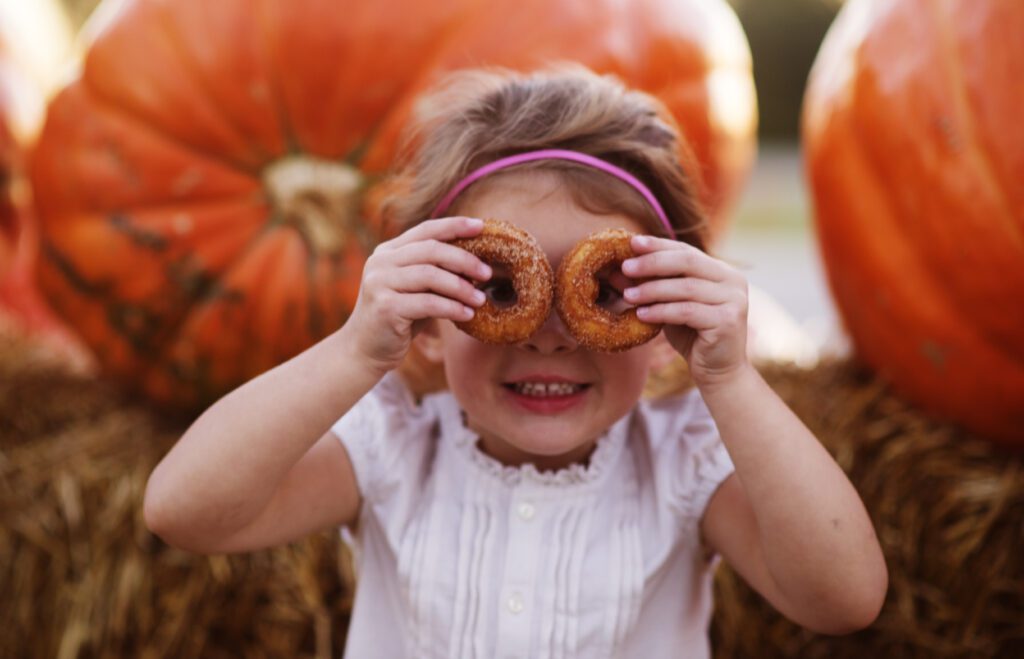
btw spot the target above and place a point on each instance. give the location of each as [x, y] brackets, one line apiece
[424, 278]
[620, 281]
[678, 289]
[692, 314]
[451, 258]
[420, 306]
[442, 230]
[659, 257]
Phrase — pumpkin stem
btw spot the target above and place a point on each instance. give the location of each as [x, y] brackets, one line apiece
[320, 197]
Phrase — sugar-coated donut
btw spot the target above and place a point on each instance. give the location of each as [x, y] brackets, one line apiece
[594, 327]
[517, 252]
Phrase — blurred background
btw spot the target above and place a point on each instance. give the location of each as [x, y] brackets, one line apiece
[772, 235]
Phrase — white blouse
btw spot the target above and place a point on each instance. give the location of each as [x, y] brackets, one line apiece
[458, 555]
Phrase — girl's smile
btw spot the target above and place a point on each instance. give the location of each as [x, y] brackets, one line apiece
[547, 394]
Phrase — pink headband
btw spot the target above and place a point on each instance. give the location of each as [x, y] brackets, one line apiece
[554, 154]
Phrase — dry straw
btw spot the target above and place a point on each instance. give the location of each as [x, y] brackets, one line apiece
[81, 577]
[948, 509]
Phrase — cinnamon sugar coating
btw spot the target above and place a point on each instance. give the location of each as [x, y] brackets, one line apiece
[594, 327]
[504, 244]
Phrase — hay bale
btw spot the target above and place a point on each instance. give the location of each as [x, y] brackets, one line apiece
[949, 512]
[81, 576]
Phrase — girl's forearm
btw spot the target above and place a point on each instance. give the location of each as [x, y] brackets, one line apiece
[224, 470]
[816, 537]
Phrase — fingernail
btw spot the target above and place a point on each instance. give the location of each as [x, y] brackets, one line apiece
[479, 297]
[641, 241]
[630, 293]
[643, 312]
[474, 222]
[485, 271]
[629, 265]
[468, 312]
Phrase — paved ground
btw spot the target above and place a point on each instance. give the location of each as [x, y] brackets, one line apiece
[772, 240]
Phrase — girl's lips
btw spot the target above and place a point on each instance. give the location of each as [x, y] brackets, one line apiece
[546, 396]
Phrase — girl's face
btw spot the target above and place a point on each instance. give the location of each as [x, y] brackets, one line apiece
[576, 394]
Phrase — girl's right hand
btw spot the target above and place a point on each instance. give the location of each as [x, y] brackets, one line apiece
[410, 279]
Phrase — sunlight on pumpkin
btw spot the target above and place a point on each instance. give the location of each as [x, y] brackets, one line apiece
[839, 59]
[37, 37]
[102, 17]
[733, 99]
[40, 35]
[731, 91]
[743, 3]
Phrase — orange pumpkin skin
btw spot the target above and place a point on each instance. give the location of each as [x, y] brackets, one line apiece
[182, 235]
[915, 155]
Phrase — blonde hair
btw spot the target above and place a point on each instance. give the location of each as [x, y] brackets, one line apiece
[478, 116]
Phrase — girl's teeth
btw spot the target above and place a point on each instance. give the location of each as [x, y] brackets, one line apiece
[546, 388]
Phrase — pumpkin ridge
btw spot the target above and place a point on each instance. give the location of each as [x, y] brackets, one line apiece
[188, 65]
[144, 125]
[236, 287]
[289, 135]
[381, 142]
[133, 322]
[981, 164]
[138, 334]
[139, 235]
[70, 273]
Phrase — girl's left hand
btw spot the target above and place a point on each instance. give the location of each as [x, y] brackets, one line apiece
[701, 301]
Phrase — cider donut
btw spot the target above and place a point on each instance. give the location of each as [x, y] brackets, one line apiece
[518, 253]
[594, 327]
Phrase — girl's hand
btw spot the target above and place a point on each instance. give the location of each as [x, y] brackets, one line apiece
[701, 300]
[412, 278]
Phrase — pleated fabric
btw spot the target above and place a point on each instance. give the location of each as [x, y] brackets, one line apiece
[458, 555]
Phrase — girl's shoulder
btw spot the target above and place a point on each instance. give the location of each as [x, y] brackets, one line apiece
[679, 453]
[391, 402]
[682, 416]
[381, 427]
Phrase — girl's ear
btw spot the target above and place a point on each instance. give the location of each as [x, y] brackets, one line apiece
[669, 373]
[423, 368]
[662, 353]
[428, 342]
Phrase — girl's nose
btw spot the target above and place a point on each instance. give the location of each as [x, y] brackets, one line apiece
[552, 337]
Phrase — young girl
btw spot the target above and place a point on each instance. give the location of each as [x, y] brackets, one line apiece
[539, 507]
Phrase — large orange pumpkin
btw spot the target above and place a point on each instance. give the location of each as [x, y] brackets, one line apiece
[204, 184]
[915, 154]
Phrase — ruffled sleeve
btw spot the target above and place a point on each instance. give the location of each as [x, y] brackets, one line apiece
[386, 436]
[689, 459]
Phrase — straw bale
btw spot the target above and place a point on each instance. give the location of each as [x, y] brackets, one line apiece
[949, 512]
[82, 577]
[80, 574]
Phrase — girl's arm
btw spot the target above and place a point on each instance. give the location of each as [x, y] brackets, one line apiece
[261, 467]
[788, 520]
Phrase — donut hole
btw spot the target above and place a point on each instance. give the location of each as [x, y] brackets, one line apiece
[500, 288]
[610, 285]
